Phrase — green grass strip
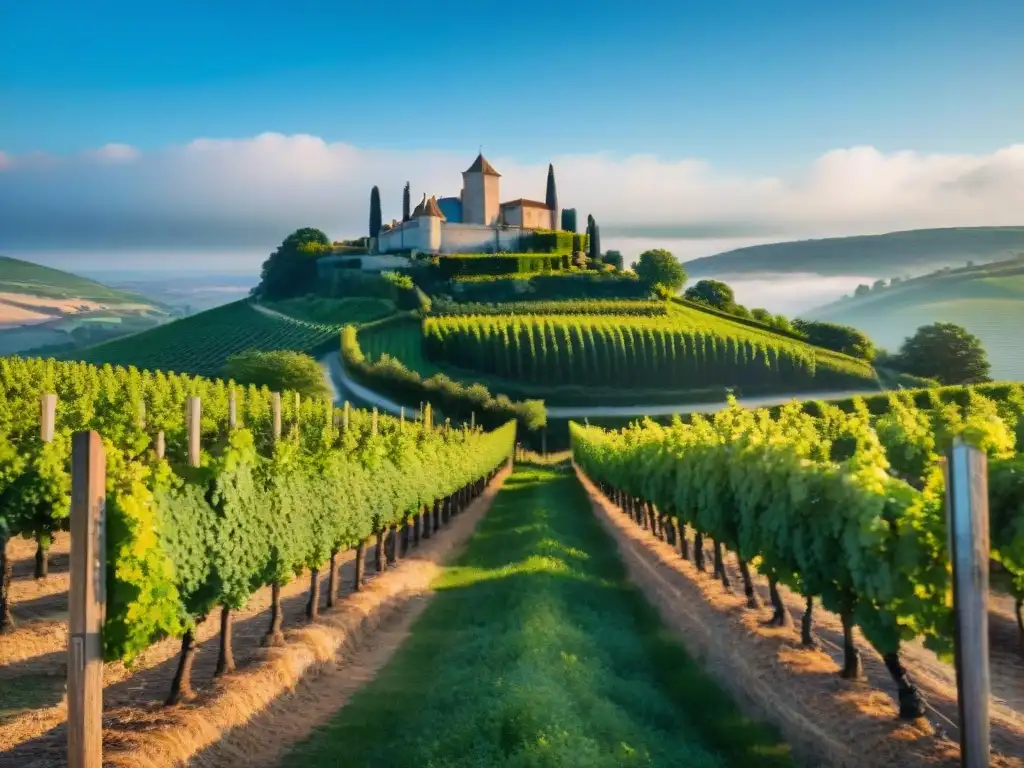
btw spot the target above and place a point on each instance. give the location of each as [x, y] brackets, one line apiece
[537, 652]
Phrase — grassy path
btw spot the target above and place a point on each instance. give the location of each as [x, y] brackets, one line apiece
[536, 652]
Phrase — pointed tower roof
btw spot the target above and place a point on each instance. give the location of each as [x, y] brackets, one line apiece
[480, 165]
[428, 207]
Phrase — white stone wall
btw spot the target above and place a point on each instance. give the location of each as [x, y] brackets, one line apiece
[536, 218]
[406, 237]
[468, 238]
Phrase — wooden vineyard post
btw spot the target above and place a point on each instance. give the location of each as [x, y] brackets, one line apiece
[401, 419]
[47, 417]
[86, 601]
[472, 421]
[161, 445]
[276, 408]
[344, 423]
[373, 423]
[232, 411]
[966, 470]
[194, 414]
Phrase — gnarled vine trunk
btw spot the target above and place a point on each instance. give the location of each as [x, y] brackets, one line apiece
[274, 635]
[392, 548]
[780, 616]
[225, 655]
[807, 624]
[313, 606]
[698, 551]
[720, 570]
[6, 575]
[406, 539]
[360, 566]
[43, 540]
[381, 556]
[748, 584]
[684, 544]
[181, 685]
[912, 704]
[332, 579]
[851, 656]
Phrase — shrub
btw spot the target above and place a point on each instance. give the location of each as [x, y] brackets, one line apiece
[279, 371]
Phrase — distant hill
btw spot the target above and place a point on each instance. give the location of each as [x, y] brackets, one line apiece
[988, 300]
[46, 311]
[880, 256]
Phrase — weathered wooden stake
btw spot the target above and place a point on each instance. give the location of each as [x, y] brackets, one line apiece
[87, 601]
[275, 403]
[373, 423]
[161, 445]
[344, 423]
[47, 417]
[401, 419]
[472, 420]
[966, 471]
[232, 411]
[194, 413]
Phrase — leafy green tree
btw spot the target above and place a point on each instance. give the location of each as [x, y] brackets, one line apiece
[406, 202]
[837, 337]
[279, 370]
[291, 269]
[878, 285]
[659, 269]
[945, 352]
[375, 216]
[862, 290]
[615, 259]
[714, 293]
[762, 316]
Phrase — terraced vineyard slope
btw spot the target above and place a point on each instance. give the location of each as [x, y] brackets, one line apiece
[201, 344]
[685, 350]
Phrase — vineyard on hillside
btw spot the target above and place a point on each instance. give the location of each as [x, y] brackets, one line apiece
[255, 512]
[845, 507]
[201, 344]
[688, 349]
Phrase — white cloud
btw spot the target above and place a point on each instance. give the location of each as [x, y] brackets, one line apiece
[251, 192]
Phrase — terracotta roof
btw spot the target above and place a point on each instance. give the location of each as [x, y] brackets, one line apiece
[428, 208]
[480, 165]
[521, 202]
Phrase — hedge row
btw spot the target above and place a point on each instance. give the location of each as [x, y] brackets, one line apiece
[551, 241]
[463, 264]
[390, 377]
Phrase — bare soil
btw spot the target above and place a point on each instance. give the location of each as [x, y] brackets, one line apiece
[829, 721]
[140, 732]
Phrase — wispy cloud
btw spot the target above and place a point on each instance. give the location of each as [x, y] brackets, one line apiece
[240, 193]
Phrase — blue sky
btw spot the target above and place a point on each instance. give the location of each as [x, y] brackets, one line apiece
[692, 126]
[745, 85]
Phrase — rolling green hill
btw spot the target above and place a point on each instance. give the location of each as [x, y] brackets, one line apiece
[987, 300]
[46, 311]
[879, 256]
[29, 279]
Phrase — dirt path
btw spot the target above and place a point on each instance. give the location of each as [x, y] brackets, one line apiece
[33, 709]
[828, 721]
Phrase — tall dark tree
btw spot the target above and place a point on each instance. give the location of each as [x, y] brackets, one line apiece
[406, 202]
[945, 352]
[375, 216]
[551, 198]
[569, 219]
[595, 243]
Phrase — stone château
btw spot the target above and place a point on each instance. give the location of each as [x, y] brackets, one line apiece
[474, 222]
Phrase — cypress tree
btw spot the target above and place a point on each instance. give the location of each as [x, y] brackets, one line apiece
[551, 198]
[406, 202]
[595, 243]
[569, 220]
[375, 216]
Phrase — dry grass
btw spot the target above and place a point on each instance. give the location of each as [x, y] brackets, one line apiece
[828, 721]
